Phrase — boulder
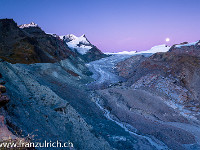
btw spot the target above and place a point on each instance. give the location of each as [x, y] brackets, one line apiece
[2, 82]
[4, 99]
[2, 89]
[5, 134]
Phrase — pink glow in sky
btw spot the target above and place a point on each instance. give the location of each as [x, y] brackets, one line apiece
[112, 25]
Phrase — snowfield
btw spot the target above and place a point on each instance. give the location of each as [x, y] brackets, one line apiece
[155, 49]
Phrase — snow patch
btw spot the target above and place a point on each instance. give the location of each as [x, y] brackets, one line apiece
[189, 44]
[54, 35]
[124, 52]
[156, 49]
[32, 24]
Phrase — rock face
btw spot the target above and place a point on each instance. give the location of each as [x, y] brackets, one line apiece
[5, 134]
[30, 44]
[4, 99]
[193, 49]
[127, 67]
[176, 67]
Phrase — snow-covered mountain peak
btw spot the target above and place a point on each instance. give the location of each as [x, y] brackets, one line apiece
[81, 44]
[69, 37]
[32, 24]
[83, 36]
[75, 39]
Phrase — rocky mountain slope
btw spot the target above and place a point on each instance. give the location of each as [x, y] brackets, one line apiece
[158, 96]
[30, 44]
[5, 134]
[43, 88]
[179, 66]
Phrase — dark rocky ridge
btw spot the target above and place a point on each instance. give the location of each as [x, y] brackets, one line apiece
[30, 45]
[93, 54]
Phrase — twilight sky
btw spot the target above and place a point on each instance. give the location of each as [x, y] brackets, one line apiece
[112, 25]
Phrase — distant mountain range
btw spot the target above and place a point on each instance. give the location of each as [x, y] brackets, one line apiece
[28, 43]
[155, 49]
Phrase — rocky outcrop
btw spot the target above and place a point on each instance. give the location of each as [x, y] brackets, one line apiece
[180, 63]
[192, 49]
[127, 67]
[30, 44]
[93, 54]
[182, 69]
[176, 71]
[4, 99]
[5, 134]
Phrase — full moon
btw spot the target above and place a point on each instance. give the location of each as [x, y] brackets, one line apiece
[167, 39]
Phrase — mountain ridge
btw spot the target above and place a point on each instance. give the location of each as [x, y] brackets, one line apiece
[28, 43]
